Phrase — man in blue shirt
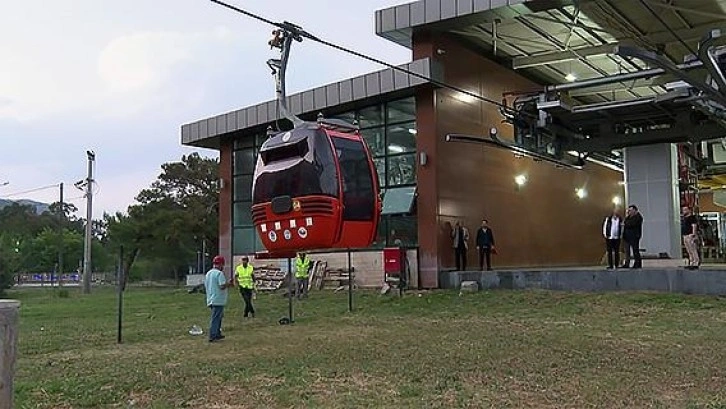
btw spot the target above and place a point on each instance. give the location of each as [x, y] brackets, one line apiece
[215, 285]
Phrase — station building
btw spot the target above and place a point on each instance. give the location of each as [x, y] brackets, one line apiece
[542, 214]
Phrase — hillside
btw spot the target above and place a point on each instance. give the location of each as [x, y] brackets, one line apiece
[39, 207]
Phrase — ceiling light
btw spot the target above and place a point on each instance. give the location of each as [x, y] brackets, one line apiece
[520, 180]
[395, 149]
[412, 131]
[570, 77]
[580, 192]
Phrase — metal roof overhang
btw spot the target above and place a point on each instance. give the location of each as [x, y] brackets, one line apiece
[331, 99]
[556, 41]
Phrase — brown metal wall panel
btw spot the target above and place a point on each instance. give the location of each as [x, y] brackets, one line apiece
[539, 224]
[225, 203]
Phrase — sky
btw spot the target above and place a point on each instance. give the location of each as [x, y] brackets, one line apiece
[121, 77]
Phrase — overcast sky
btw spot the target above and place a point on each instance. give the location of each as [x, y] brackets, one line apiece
[120, 77]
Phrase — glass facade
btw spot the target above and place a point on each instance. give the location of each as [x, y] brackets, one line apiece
[389, 129]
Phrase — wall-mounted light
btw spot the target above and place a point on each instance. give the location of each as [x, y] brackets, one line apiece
[581, 193]
[520, 180]
[423, 159]
[617, 200]
[412, 131]
[220, 181]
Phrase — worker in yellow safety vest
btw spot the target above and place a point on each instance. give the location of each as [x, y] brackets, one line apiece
[302, 272]
[246, 282]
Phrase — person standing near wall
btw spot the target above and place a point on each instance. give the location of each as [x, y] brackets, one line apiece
[632, 232]
[485, 245]
[460, 236]
[612, 230]
[302, 273]
[689, 231]
[246, 282]
[215, 285]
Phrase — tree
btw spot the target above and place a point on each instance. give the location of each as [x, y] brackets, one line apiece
[161, 227]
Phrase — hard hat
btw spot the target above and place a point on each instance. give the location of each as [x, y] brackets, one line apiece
[218, 261]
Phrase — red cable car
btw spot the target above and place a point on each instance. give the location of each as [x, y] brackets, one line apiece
[315, 186]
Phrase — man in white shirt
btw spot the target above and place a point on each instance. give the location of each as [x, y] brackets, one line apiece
[612, 230]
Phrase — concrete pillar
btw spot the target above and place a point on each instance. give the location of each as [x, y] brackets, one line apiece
[8, 342]
[651, 183]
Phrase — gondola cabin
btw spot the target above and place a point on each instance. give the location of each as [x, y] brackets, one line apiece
[315, 187]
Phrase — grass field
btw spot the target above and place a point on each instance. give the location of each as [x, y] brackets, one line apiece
[501, 349]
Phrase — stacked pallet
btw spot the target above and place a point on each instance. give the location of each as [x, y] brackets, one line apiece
[335, 279]
[269, 278]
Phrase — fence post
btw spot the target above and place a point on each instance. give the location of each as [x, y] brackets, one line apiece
[8, 345]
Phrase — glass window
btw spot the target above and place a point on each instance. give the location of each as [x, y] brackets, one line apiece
[299, 176]
[380, 241]
[402, 169]
[376, 140]
[244, 162]
[242, 214]
[244, 240]
[380, 164]
[401, 110]
[371, 116]
[242, 187]
[401, 138]
[399, 200]
[346, 116]
[246, 141]
[402, 231]
[358, 195]
[260, 139]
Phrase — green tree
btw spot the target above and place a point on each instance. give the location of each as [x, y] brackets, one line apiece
[169, 219]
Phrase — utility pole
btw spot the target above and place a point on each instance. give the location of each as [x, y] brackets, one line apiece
[61, 224]
[87, 266]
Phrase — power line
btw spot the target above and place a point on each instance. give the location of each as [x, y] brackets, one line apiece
[677, 37]
[33, 190]
[299, 32]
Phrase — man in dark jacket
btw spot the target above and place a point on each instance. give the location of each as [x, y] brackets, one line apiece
[485, 244]
[632, 232]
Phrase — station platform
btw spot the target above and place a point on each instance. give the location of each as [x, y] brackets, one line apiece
[709, 279]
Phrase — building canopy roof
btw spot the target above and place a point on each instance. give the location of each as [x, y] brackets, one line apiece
[370, 87]
[556, 41]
